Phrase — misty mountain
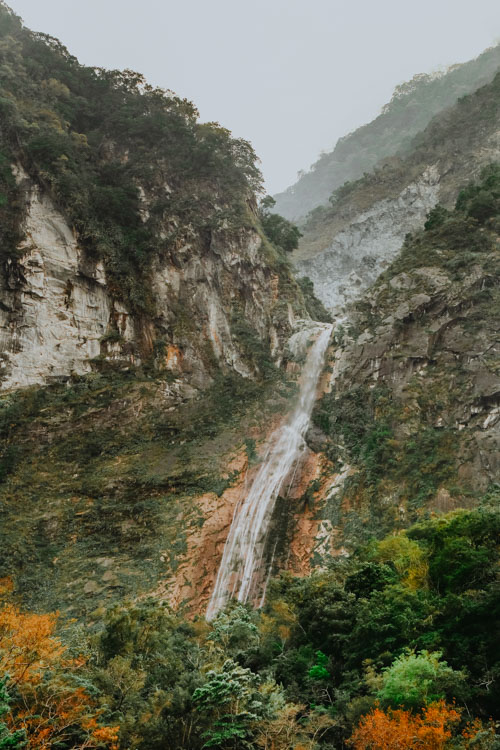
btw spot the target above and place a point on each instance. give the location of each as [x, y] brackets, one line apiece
[413, 104]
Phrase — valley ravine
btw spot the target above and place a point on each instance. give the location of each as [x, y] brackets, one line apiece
[242, 572]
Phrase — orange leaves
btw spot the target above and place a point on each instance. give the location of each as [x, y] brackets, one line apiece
[49, 706]
[27, 644]
[399, 730]
[107, 736]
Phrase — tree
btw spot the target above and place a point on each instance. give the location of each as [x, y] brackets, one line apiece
[407, 557]
[230, 700]
[415, 679]
[293, 727]
[278, 230]
[399, 730]
[8, 739]
[51, 707]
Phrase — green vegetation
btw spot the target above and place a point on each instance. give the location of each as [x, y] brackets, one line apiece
[8, 739]
[361, 425]
[461, 130]
[278, 230]
[96, 474]
[327, 650]
[99, 142]
[456, 240]
[415, 679]
[314, 306]
[404, 442]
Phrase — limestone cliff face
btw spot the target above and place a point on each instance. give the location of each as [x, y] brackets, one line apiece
[436, 337]
[358, 253]
[55, 308]
[346, 246]
[59, 316]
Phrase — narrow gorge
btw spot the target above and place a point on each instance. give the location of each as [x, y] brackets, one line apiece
[249, 470]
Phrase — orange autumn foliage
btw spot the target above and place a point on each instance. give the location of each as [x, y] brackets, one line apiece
[48, 705]
[399, 730]
[27, 644]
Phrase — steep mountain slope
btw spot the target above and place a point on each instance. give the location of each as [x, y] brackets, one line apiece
[144, 319]
[412, 424]
[149, 318]
[153, 404]
[346, 245]
[411, 108]
[129, 230]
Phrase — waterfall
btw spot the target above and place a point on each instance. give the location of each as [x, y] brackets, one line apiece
[243, 556]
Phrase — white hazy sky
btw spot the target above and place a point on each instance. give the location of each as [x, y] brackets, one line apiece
[291, 76]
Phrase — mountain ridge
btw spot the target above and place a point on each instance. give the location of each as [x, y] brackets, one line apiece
[411, 108]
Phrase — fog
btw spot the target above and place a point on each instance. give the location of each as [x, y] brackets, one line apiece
[291, 76]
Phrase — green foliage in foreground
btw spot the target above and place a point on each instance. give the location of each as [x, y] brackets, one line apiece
[416, 679]
[8, 740]
[324, 651]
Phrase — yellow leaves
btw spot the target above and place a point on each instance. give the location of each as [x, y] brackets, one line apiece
[56, 88]
[6, 587]
[280, 620]
[284, 632]
[51, 118]
[407, 557]
[293, 727]
[107, 736]
[27, 645]
[80, 139]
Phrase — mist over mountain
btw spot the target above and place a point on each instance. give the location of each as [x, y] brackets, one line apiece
[249, 474]
[413, 105]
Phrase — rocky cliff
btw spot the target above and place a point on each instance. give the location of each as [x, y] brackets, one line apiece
[129, 230]
[411, 426]
[144, 320]
[346, 246]
[60, 317]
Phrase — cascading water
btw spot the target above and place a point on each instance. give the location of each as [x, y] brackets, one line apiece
[240, 573]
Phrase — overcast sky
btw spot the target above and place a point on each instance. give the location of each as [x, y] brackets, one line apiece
[291, 76]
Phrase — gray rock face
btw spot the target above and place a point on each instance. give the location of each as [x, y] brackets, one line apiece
[54, 309]
[440, 340]
[359, 253]
[58, 315]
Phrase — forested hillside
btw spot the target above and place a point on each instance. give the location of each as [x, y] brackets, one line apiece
[347, 244]
[157, 353]
[413, 105]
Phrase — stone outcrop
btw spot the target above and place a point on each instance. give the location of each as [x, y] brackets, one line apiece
[437, 331]
[59, 316]
[55, 308]
[361, 251]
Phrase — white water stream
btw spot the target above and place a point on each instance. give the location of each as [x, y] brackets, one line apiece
[240, 573]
